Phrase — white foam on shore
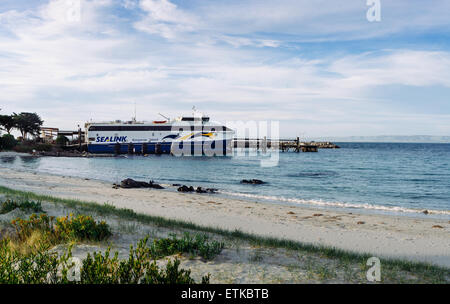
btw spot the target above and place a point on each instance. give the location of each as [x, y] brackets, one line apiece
[334, 204]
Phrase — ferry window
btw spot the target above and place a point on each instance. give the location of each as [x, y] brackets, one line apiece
[130, 128]
[158, 128]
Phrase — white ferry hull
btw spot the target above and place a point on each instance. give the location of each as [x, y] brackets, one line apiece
[179, 138]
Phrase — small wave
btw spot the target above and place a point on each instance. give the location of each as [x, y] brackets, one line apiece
[313, 174]
[334, 204]
[183, 180]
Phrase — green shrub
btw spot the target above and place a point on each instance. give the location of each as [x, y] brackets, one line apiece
[140, 268]
[66, 228]
[23, 148]
[42, 266]
[43, 147]
[35, 268]
[82, 227]
[10, 205]
[171, 275]
[197, 245]
[31, 206]
[100, 269]
[7, 142]
[61, 140]
[29, 146]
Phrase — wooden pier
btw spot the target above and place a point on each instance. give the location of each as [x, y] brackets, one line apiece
[284, 145]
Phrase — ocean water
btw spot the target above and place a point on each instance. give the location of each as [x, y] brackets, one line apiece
[374, 177]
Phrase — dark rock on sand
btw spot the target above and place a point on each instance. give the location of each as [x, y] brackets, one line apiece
[201, 190]
[205, 190]
[131, 183]
[252, 181]
[185, 188]
[154, 185]
[425, 212]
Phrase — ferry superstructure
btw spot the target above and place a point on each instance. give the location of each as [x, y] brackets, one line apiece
[192, 135]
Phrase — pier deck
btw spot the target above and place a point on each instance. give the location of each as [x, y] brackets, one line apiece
[284, 145]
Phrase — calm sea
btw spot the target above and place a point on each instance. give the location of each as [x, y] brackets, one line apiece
[375, 177]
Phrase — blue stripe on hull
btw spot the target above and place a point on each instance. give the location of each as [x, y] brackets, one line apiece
[164, 148]
[185, 148]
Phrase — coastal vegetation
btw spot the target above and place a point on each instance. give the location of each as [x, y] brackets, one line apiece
[290, 261]
[139, 268]
[7, 142]
[27, 124]
[61, 140]
[197, 245]
[27, 257]
[61, 229]
[46, 267]
[24, 205]
[7, 123]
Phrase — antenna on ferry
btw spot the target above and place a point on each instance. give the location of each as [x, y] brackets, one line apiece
[134, 118]
[168, 119]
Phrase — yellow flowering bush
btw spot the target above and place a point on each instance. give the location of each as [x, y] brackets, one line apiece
[81, 227]
[25, 228]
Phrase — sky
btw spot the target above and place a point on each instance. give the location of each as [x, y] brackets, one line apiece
[319, 67]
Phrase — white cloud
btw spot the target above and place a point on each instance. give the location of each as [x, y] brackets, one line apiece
[163, 10]
[404, 67]
[242, 41]
[165, 19]
[323, 20]
[129, 4]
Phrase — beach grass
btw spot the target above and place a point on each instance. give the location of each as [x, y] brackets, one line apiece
[428, 273]
[24, 205]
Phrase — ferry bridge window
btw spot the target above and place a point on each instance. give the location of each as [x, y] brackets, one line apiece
[157, 128]
[129, 128]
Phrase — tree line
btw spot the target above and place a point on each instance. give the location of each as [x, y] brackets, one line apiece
[25, 123]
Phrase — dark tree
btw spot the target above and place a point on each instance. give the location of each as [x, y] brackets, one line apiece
[7, 123]
[7, 142]
[61, 140]
[28, 123]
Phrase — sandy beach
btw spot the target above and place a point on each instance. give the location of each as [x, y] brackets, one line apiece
[426, 240]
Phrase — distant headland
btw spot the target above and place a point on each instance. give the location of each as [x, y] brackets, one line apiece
[388, 138]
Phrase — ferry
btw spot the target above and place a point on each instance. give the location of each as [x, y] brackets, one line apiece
[185, 135]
